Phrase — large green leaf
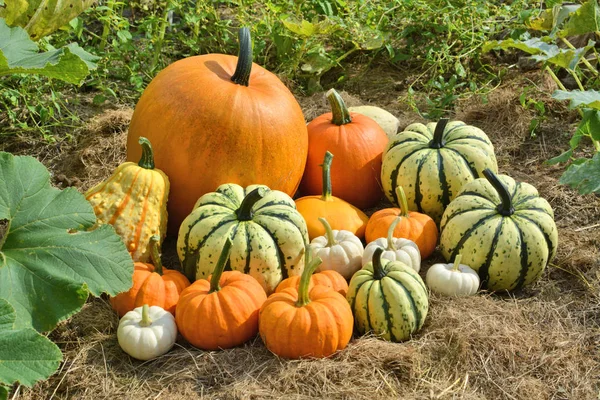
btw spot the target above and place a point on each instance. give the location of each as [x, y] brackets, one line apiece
[42, 17]
[583, 176]
[588, 98]
[25, 355]
[49, 260]
[585, 20]
[19, 55]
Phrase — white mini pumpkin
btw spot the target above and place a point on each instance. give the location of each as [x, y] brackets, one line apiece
[386, 120]
[452, 279]
[341, 251]
[147, 332]
[395, 249]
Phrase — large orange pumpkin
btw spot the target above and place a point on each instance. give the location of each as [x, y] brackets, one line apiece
[217, 118]
[357, 142]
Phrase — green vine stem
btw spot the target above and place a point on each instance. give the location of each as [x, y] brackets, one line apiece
[146, 321]
[390, 234]
[155, 254]
[438, 134]
[506, 207]
[583, 59]
[457, 262]
[162, 29]
[327, 176]
[244, 64]
[218, 271]
[309, 269]
[244, 212]
[147, 159]
[339, 111]
[378, 271]
[328, 232]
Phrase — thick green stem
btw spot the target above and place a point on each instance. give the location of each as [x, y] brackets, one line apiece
[506, 207]
[457, 262]
[438, 134]
[378, 271]
[577, 80]
[155, 254]
[327, 176]
[146, 321]
[328, 232]
[555, 78]
[244, 64]
[218, 271]
[402, 202]
[390, 234]
[244, 213]
[147, 160]
[339, 111]
[309, 269]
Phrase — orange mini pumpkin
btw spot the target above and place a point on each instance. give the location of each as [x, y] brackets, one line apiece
[357, 142]
[419, 228]
[152, 285]
[222, 311]
[296, 323]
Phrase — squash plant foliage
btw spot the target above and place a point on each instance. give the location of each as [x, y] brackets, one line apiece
[559, 23]
[51, 257]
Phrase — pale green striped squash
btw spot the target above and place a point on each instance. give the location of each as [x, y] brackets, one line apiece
[503, 229]
[388, 298]
[267, 232]
[432, 162]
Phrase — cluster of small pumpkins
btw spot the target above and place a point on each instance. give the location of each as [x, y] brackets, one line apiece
[233, 147]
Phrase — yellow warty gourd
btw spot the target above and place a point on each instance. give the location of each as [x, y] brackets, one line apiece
[134, 201]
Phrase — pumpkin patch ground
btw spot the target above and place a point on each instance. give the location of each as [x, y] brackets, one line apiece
[539, 342]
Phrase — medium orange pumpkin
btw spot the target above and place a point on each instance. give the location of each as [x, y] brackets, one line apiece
[419, 228]
[222, 311]
[296, 323]
[340, 214]
[152, 285]
[217, 118]
[357, 142]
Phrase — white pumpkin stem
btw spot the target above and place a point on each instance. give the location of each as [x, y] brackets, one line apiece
[390, 235]
[457, 262]
[328, 232]
[146, 321]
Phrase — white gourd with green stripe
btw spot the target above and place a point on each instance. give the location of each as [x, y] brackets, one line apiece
[432, 162]
[503, 229]
[267, 232]
[388, 298]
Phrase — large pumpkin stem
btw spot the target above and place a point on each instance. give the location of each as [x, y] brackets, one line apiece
[327, 176]
[244, 213]
[390, 234]
[402, 201]
[378, 272]
[438, 134]
[244, 64]
[155, 254]
[218, 271]
[328, 232]
[147, 160]
[506, 207]
[309, 269]
[145, 321]
[339, 111]
[457, 262]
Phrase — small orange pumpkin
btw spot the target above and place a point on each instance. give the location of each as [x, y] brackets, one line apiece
[296, 323]
[152, 285]
[222, 311]
[340, 214]
[419, 228]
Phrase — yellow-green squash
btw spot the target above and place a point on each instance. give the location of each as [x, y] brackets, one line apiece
[134, 201]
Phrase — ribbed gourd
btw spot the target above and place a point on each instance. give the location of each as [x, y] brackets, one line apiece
[503, 229]
[432, 162]
[267, 232]
[134, 201]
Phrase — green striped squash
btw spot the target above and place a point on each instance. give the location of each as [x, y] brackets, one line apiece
[388, 298]
[503, 229]
[432, 162]
[267, 232]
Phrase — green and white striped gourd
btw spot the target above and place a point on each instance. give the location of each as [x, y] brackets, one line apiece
[267, 232]
[388, 298]
[503, 229]
[432, 162]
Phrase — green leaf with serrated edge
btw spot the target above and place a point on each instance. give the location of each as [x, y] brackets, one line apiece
[584, 176]
[19, 55]
[588, 98]
[25, 355]
[564, 157]
[42, 17]
[585, 20]
[50, 259]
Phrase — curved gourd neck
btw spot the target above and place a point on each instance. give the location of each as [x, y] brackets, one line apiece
[310, 266]
[505, 208]
[147, 159]
[378, 271]
[326, 166]
[244, 212]
[243, 69]
[220, 267]
[438, 134]
[339, 111]
[155, 254]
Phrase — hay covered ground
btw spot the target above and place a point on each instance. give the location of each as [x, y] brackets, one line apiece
[540, 343]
